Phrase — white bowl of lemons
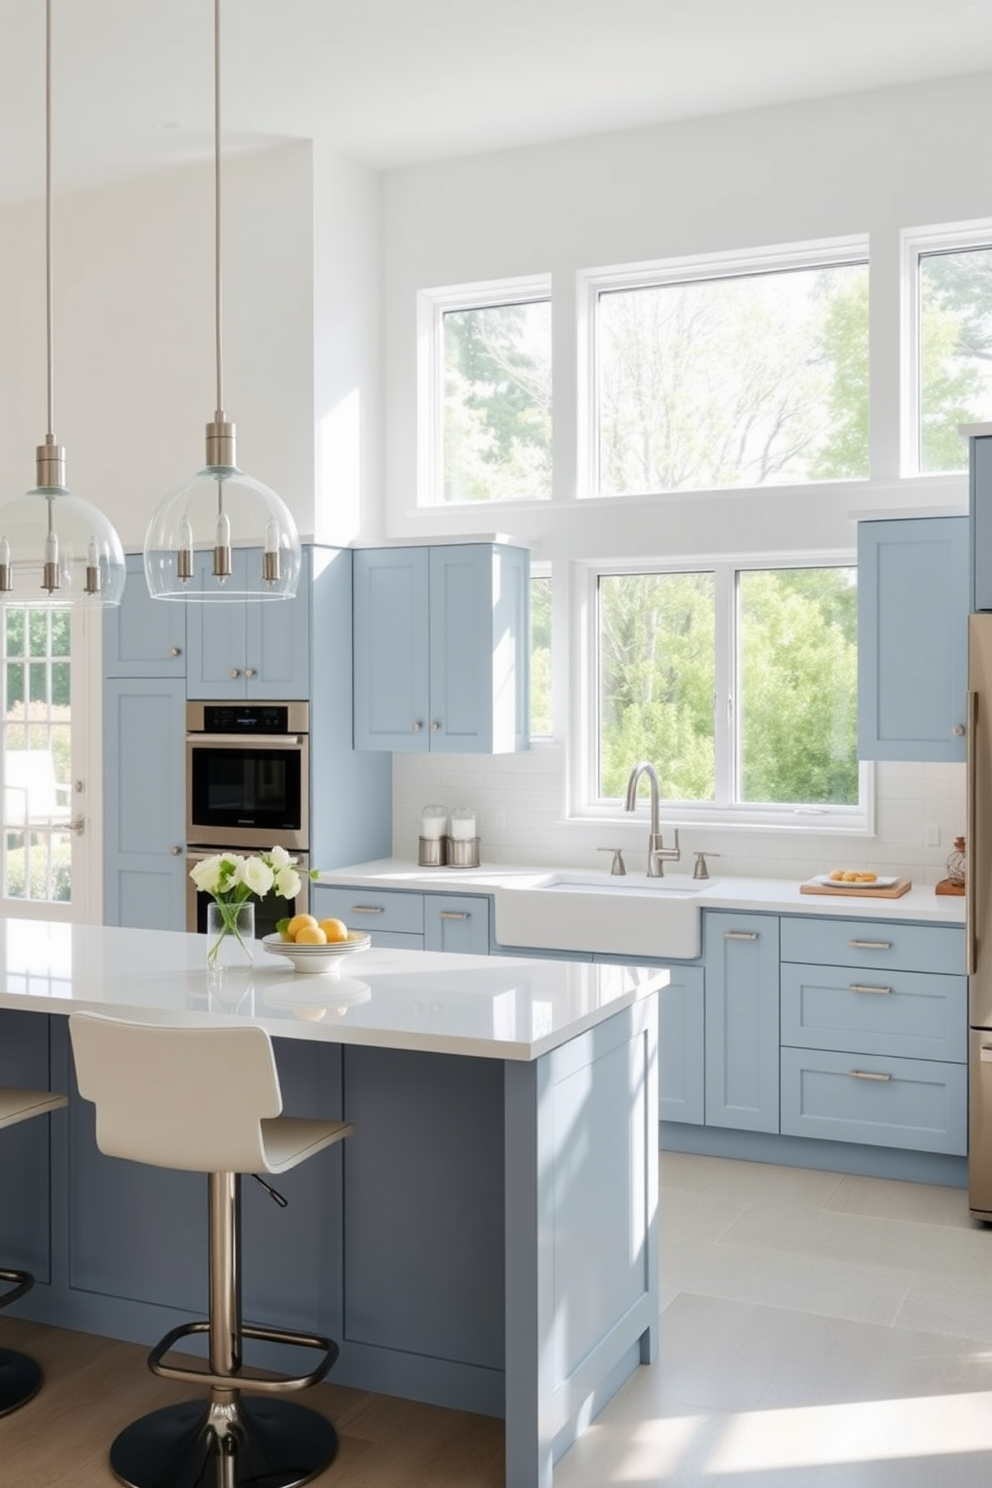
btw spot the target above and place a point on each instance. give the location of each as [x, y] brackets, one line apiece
[316, 947]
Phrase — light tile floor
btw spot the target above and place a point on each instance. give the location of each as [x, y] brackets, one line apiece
[818, 1331]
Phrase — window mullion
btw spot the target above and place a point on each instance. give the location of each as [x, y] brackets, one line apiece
[725, 701]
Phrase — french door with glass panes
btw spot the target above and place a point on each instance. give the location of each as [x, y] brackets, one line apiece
[44, 801]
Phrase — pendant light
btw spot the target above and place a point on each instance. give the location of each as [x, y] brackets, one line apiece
[57, 551]
[220, 503]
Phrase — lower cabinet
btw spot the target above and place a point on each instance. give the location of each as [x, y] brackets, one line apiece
[872, 1051]
[409, 921]
[681, 1024]
[741, 954]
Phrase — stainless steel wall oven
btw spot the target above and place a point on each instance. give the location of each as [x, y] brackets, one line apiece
[247, 790]
[248, 775]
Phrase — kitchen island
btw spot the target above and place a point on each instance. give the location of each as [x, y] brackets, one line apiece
[487, 1239]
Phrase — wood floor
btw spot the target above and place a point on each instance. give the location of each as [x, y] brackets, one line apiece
[818, 1331]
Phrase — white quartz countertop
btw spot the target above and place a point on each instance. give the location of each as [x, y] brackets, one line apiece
[774, 895]
[498, 1007]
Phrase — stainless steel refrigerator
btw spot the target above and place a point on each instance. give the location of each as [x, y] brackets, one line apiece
[978, 925]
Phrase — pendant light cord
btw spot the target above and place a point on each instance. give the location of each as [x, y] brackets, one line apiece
[217, 217]
[48, 221]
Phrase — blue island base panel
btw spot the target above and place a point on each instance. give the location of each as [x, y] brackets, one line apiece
[808, 1152]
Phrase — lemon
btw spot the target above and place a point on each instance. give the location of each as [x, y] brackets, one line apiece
[335, 930]
[300, 922]
[310, 935]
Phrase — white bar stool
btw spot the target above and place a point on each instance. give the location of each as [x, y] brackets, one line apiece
[207, 1100]
[20, 1377]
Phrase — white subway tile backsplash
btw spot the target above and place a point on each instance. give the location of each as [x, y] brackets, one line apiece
[519, 804]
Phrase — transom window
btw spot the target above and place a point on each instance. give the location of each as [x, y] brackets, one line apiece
[719, 374]
[952, 350]
[486, 372]
[738, 683]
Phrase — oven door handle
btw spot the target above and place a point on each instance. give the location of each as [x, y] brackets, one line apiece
[239, 741]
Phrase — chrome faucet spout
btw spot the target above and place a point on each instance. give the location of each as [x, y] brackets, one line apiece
[657, 851]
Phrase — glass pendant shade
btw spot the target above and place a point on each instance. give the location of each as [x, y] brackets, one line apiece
[58, 551]
[222, 510]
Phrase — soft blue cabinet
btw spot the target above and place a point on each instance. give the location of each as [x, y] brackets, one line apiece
[681, 1026]
[980, 510]
[144, 792]
[456, 922]
[912, 638]
[442, 649]
[25, 1149]
[143, 637]
[257, 649]
[741, 955]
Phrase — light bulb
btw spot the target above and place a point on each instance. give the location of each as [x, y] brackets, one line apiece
[50, 580]
[92, 584]
[6, 576]
[184, 557]
[270, 558]
[222, 546]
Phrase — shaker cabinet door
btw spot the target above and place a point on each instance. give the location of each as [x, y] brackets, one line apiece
[912, 638]
[143, 637]
[742, 1020]
[392, 675]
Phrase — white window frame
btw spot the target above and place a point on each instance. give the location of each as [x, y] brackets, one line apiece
[584, 804]
[694, 268]
[432, 306]
[915, 243]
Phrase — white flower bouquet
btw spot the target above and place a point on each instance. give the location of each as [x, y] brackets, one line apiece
[231, 879]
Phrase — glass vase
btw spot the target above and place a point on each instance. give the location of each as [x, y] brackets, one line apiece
[230, 935]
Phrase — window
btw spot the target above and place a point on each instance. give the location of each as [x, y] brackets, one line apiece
[36, 762]
[953, 346]
[540, 656]
[486, 375]
[723, 374]
[738, 683]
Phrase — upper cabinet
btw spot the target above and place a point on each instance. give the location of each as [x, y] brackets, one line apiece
[912, 638]
[143, 637]
[442, 649]
[980, 510]
[255, 649]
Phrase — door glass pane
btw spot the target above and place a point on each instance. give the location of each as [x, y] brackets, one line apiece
[540, 657]
[657, 660]
[798, 664]
[36, 756]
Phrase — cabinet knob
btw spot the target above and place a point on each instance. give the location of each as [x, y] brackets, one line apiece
[175, 651]
[249, 671]
[175, 851]
[235, 672]
[417, 726]
[958, 731]
[434, 727]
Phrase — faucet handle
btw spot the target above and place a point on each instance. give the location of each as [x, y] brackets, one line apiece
[617, 866]
[701, 870]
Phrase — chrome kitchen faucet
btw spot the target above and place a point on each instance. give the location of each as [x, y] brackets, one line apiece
[658, 853]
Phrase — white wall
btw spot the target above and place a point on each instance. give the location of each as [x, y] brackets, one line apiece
[872, 163]
[134, 340]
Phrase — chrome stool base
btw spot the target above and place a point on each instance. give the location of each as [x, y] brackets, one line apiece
[246, 1444]
[20, 1379]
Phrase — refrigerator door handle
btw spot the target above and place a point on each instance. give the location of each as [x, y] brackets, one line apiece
[985, 1054]
[971, 944]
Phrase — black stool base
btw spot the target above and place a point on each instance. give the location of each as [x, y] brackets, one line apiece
[265, 1444]
[20, 1379]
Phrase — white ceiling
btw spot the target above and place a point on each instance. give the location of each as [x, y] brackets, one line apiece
[392, 82]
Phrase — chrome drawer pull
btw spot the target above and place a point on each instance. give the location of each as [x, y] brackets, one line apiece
[740, 934]
[366, 909]
[453, 914]
[870, 945]
[860, 987]
[867, 1075]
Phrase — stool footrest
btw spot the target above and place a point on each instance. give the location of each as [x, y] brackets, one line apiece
[20, 1282]
[263, 1385]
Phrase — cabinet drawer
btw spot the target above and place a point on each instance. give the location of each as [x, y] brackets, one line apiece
[890, 944]
[919, 1104]
[456, 922]
[917, 1015]
[370, 909]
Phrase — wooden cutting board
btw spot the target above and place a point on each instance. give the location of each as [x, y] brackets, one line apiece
[894, 891]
